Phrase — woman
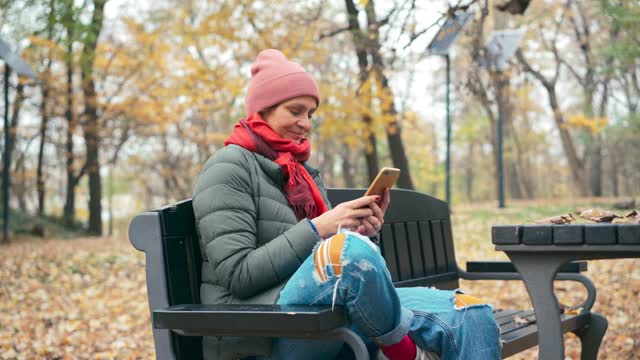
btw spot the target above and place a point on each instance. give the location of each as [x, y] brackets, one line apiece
[262, 214]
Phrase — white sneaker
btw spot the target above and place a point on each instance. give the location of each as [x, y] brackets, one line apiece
[420, 355]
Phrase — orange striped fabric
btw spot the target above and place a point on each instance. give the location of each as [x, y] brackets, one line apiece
[463, 300]
[329, 253]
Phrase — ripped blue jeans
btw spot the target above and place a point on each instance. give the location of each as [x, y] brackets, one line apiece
[349, 270]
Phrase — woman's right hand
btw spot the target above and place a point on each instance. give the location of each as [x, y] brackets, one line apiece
[347, 215]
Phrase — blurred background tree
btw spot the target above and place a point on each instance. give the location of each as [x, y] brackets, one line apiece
[133, 98]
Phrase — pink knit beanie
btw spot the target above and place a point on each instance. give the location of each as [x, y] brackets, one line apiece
[275, 79]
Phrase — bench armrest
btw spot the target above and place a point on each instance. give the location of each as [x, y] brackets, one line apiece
[504, 270]
[507, 267]
[249, 320]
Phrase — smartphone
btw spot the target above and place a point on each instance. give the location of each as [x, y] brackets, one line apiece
[385, 179]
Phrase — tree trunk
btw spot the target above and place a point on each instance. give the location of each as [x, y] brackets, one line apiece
[511, 175]
[69, 212]
[595, 165]
[468, 171]
[15, 119]
[576, 165]
[393, 130]
[91, 124]
[371, 150]
[347, 168]
[394, 138]
[360, 44]
[523, 163]
[20, 188]
[44, 111]
[110, 199]
[594, 145]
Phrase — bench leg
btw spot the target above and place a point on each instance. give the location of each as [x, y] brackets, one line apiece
[591, 336]
[355, 342]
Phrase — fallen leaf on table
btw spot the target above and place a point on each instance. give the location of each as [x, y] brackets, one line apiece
[596, 215]
[560, 219]
[631, 218]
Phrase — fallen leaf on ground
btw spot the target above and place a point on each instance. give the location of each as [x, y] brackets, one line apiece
[522, 321]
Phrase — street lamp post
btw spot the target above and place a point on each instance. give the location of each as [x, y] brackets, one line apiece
[440, 45]
[502, 45]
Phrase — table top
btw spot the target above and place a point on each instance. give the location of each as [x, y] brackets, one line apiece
[583, 236]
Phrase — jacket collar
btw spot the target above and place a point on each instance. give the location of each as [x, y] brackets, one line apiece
[274, 171]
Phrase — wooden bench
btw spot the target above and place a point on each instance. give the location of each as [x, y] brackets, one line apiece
[416, 241]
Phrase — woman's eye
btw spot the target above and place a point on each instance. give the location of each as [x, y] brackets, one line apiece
[294, 113]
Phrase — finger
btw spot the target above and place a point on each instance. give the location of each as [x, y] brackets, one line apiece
[377, 211]
[364, 212]
[362, 202]
[366, 229]
[369, 229]
[375, 222]
[352, 223]
[386, 199]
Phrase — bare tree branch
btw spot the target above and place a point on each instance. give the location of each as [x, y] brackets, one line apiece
[334, 32]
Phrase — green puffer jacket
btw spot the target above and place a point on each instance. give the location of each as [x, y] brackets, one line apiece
[251, 238]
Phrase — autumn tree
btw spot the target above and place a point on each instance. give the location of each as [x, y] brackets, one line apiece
[90, 117]
[572, 21]
[372, 67]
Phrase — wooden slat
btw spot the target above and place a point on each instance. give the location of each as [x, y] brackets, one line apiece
[513, 325]
[501, 314]
[402, 250]
[428, 255]
[526, 337]
[415, 250]
[449, 246]
[388, 248]
[438, 244]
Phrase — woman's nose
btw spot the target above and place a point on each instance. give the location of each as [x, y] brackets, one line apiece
[305, 122]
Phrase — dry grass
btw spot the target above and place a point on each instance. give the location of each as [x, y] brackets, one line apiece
[86, 298]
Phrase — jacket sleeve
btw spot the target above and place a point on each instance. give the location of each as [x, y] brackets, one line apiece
[226, 216]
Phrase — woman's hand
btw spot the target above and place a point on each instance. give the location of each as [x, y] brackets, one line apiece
[371, 225]
[348, 215]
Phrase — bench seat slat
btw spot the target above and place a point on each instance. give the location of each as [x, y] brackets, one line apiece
[526, 337]
[508, 325]
[503, 314]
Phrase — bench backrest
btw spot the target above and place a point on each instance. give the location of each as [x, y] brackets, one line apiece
[416, 242]
[416, 238]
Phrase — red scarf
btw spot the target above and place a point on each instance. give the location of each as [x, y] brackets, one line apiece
[302, 193]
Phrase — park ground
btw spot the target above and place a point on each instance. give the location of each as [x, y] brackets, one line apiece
[86, 298]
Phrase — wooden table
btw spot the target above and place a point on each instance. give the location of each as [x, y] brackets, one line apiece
[537, 251]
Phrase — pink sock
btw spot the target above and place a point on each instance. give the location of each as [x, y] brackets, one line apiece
[403, 350]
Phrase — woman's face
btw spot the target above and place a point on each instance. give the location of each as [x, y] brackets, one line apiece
[291, 119]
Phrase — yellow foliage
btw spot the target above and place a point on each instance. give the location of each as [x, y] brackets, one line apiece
[594, 124]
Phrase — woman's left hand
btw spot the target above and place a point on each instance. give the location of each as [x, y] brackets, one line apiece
[371, 225]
